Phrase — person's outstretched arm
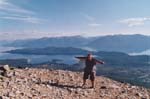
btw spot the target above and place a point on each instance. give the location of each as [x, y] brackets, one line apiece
[99, 61]
[81, 58]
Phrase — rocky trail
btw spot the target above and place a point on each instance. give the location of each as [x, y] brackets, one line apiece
[32, 83]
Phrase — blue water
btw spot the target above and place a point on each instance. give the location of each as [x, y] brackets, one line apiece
[69, 59]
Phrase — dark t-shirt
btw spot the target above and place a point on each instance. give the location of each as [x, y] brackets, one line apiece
[89, 65]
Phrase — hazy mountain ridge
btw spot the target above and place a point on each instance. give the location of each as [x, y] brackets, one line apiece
[121, 43]
[65, 41]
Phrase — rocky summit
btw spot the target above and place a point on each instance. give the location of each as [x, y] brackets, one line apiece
[35, 83]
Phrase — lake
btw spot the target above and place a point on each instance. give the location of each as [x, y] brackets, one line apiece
[69, 59]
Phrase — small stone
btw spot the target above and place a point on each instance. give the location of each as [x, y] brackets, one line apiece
[6, 67]
[85, 93]
[123, 91]
[11, 94]
[4, 97]
[138, 94]
[103, 87]
[143, 98]
[48, 86]
[10, 74]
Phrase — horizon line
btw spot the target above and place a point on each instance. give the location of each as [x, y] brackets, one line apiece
[55, 36]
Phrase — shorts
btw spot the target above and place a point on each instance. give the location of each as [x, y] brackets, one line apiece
[89, 74]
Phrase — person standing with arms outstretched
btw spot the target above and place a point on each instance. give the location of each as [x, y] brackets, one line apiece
[90, 69]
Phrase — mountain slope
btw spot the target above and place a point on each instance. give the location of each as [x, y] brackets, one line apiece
[121, 43]
[68, 41]
[58, 84]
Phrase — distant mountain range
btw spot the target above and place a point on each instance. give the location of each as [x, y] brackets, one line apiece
[68, 41]
[120, 43]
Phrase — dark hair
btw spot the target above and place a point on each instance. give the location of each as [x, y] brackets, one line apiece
[89, 54]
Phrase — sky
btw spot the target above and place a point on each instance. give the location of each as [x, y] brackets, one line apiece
[23, 19]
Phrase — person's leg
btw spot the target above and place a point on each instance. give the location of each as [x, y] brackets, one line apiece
[92, 81]
[85, 76]
[84, 82]
[92, 77]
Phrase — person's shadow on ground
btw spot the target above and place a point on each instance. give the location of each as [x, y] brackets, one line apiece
[61, 85]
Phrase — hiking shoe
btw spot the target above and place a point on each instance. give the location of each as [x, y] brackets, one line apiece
[83, 86]
[92, 87]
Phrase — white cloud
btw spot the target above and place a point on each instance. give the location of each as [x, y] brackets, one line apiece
[94, 24]
[2, 1]
[134, 21]
[10, 11]
[25, 19]
[91, 21]
[89, 18]
[9, 7]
